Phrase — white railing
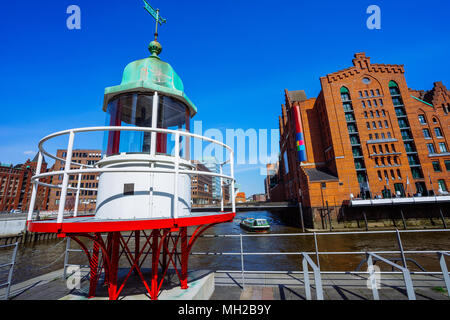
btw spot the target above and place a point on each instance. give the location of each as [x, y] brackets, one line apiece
[84, 168]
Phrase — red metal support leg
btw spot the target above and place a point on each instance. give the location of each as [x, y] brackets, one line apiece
[155, 264]
[137, 247]
[114, 266]
[93, 264]
[184, 258]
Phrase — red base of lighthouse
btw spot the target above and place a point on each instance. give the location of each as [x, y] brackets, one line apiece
[167, 246]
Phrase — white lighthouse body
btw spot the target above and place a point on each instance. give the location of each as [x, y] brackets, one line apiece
[151, 95]
[140, 195]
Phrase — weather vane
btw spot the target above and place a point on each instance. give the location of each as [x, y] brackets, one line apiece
[155, 14]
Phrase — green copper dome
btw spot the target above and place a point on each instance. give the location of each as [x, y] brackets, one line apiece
[148, 75]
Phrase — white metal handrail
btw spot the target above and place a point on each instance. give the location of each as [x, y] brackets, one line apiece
[317, 272]
[94, 169]
[11, 268]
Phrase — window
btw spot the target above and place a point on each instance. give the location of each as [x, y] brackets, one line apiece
[286, 164]
[422, 119]
[345, 95]
[436, 166]
[374, 125]
[347, 106]
[379, 175]
[438, 132]
[382, 135]
[426, 133]
[371, 114]
[378, 92]
[430, 148]
[399, 174]
[376, 135]
[380, 125]
[402, 123]
[412, 159]
[378, 113]
[363, 104]
[447, 165]
[349, 117]
[375, 103]
[371, 93]
[368, 125]
[365, 114]
[369, 103]
[366, 93]
[370, 136]
[386, 124]
[360, 94]
[381, 102]
[374, 149]
[416, 173]
[393, 88]
[434, 120]
[442, 185]
[442, 147]
[389, 135]
[384, 113]
[351, 128]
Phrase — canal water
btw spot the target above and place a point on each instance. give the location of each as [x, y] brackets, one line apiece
[46, 256]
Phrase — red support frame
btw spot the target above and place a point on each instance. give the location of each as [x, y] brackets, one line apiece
[166, 246]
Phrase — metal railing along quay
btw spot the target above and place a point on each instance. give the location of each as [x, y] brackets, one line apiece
[369, 257]
[9, 265]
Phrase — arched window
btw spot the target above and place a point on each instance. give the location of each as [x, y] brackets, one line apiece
[393, 88]
[345, 94]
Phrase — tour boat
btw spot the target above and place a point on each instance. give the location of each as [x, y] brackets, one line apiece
[255, 225]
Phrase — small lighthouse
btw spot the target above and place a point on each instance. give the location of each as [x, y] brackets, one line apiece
[144, 184]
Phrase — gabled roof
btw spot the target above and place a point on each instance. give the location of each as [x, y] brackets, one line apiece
[320, 174]
[297, 95]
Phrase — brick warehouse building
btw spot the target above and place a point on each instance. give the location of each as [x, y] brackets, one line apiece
[87, 198]
[15, 186]
[367, 136]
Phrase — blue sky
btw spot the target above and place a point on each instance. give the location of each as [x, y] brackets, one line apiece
[235, 58]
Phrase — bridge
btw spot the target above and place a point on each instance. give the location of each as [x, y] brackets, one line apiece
[247, 206]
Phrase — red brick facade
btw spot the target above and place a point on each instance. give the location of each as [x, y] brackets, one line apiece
[15, 187]
[87, 198]
[364, 136]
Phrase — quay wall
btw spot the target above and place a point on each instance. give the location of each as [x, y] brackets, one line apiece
[377, 217]
[12, 227]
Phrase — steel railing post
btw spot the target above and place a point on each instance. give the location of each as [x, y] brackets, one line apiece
[34, 189]
[221, 189]
[77, 197]
[306, 278]
[233, 200]
[62, 201]
[444, 269]
[408, 284]
[177, 166]
[372, 277]
[242, 261]
[317, 277]
[317, 249]
[11, 271]
[66, 258]
[400, 245]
